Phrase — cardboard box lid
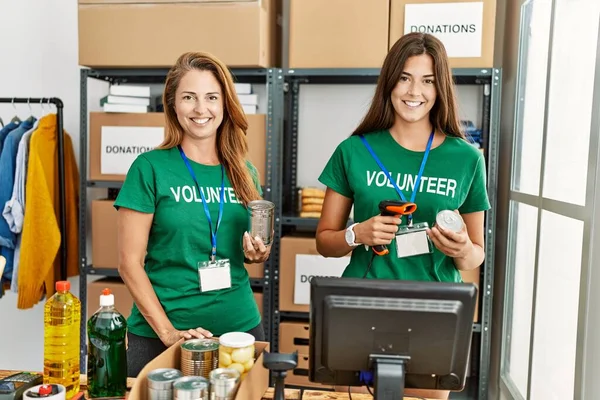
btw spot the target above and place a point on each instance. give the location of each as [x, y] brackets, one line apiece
[252, 387]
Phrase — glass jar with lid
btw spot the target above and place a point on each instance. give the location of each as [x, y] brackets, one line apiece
[237, 351]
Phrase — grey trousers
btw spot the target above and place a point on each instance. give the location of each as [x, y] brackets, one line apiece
[141, 350]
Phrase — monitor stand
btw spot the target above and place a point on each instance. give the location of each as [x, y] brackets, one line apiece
[389, 373]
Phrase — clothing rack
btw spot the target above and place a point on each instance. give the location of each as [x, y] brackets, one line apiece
[61, 167]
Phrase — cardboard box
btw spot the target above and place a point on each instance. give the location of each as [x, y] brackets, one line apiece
[105, 252]
[123, 299]
[294, 336]
[252, 387]
[258, 298]
[241, 34]
[338, 33]
[466, 27]
[116, 139]
[299, 262]
[293, 280]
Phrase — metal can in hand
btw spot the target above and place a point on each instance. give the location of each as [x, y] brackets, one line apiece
[449, 220]
[261, 220]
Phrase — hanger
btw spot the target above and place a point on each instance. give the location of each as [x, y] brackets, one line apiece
[16, 118]
[1, 123]
[31, 116]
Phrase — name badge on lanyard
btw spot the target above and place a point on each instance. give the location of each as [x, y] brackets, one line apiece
[213, 274]
[411, 239]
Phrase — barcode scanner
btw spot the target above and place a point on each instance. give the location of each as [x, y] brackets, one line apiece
[393, 208]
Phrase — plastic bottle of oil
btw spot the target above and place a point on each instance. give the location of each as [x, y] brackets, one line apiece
[62, 315]
[107, 355]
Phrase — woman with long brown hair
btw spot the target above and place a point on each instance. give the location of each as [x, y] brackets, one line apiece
[409, 147]
[183, 218]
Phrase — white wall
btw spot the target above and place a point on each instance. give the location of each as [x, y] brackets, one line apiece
[38, 53]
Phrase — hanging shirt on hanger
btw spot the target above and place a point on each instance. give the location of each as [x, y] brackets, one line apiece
[39, 262]
[5, 131]
[8, 159]
[14, 210]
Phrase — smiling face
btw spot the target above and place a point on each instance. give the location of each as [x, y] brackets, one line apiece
[199, 104]
[414, 95]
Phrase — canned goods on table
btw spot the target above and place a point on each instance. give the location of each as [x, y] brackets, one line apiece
[449, 220]
[261, 216]
[224, 383]
[160, 383]
[191, 388]
[199, 357]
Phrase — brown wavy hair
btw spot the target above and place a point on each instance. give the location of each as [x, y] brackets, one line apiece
[443, 115]
[232, 145]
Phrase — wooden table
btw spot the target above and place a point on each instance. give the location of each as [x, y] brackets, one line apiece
[290, 394]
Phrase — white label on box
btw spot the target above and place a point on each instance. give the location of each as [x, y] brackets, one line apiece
[308, 266]
[458, 25]
[120, 146]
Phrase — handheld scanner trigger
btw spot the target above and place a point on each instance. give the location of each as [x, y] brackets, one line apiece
[380, 250]
[396, 207]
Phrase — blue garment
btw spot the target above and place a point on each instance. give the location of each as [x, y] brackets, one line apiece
[14, 209]
[8, 159]
[5, 131]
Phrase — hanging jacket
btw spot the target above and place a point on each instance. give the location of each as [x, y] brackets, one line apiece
[39, 263]
[8, 159]
[6, 130]
[14, 210]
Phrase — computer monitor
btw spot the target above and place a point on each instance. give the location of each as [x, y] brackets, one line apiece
[390, 335]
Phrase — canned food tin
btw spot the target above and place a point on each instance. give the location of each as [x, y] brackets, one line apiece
[160, 383]
[261, 220]
[199, 357]
[191, 388]
[224, 383]
[449, 220]
[163, 378]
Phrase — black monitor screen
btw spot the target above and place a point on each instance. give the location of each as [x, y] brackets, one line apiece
[419, 330]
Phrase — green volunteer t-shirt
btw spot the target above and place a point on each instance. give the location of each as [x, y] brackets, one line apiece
[159, 182]
[454, 178]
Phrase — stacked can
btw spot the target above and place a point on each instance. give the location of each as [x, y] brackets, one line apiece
[224, 383]
[199, 357]
[160, 383]
[191, 388]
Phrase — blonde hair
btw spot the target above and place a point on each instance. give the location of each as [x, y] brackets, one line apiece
[232, 145]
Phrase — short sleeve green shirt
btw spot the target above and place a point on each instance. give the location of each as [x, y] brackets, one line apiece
[159, 182]
[454, 178]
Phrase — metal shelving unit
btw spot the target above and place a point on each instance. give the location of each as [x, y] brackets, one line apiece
[273, 78]
[283, 88]
[490, 81]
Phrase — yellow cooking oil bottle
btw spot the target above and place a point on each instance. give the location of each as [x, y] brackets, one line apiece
[62, 315]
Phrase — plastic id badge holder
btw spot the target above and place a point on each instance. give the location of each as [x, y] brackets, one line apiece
[214, 275]
[413, 240]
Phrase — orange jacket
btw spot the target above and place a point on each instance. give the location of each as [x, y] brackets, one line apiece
[39, 264]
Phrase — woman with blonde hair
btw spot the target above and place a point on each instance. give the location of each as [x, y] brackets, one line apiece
[183, 218]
